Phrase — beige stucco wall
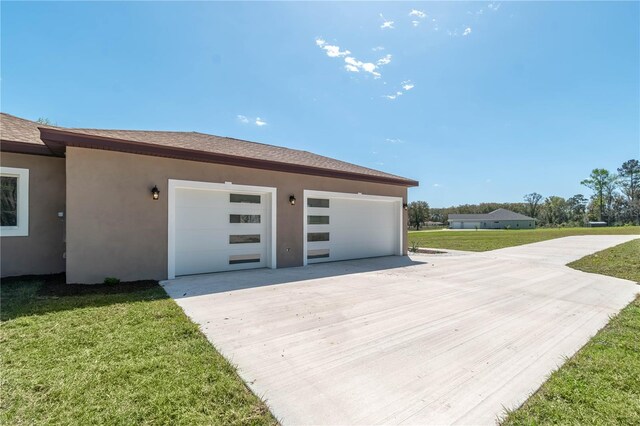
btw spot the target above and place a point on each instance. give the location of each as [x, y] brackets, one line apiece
[116, 229]
[42, 251]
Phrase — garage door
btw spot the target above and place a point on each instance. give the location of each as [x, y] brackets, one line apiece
[470, 225]
[351, 226]
[219, 228]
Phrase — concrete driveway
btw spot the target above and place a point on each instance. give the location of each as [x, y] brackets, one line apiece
[434, 339]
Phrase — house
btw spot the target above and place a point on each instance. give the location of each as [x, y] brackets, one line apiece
[155, 205]
[497, 219]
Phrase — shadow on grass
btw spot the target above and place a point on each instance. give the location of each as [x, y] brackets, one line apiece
[42, 294]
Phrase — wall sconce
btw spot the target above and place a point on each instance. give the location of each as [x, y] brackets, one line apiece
[155, 192]
[405, 206]
[292, 200]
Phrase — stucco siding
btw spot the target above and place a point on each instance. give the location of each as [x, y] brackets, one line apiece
[116, 229]
[42, 251]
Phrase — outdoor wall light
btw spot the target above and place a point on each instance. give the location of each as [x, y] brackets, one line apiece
[292, 200]
[405, 206]
[155, 192]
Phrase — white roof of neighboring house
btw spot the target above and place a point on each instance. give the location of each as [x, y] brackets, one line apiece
[500, 214]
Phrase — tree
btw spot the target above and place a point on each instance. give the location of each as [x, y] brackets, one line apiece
[602, 183]
[629, 175]
[577, 206]
[554, 210]
[45, 121]
[533, 202]
[418, 213]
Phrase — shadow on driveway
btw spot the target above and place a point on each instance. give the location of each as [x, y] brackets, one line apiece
[220, 282]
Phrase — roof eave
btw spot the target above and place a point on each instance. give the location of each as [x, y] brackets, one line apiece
[57, 141]
[18, 147]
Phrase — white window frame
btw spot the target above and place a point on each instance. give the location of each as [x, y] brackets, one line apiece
[22, 228]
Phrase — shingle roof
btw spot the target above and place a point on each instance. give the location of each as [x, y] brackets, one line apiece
[21, 130]
[18, 129]
[500, 214]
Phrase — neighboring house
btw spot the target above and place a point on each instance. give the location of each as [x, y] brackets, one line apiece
[154, 205]
[497, 219]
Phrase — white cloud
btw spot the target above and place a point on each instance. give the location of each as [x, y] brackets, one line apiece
[384, 61]
[354, 65]
[407, 85]
[418, 14]
[394, 141]
[415, 23]
[351, 63]
[386, 24]
[247, 120]
[377, 48]
[494, 6]
[332, 51]
[436, 185]
[467, 31]
[394, 96]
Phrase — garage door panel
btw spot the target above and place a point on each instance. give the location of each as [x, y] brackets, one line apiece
[358, 228]
[203, 230]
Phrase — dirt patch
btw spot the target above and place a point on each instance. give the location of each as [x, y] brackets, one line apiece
[55, 285]
[428, 251]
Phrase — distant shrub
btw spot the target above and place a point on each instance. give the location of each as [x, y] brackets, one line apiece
[414, 247]
[112, 280]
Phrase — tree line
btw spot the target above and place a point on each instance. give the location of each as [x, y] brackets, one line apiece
[614, 199]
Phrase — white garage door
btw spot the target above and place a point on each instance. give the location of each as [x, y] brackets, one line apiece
[350, 226]
[471, 225]
[219, 228]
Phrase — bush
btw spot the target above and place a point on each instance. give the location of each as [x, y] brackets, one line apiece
[112, 280]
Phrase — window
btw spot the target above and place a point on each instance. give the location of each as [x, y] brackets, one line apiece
[244, 198]
[318, 220]
[317, 202]
[317, 254]
[244, 218]
[317, 236]
[244, 239]
[14, 202]
[244, 258]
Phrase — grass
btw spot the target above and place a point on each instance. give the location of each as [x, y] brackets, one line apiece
[118, 354]
[599, 385]
[492, 240]
[621, 261]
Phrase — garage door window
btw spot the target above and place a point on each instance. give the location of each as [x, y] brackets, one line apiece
[244, 218]
[317, 254]
[244, 239]
[317, 236]
[244, 258]
[244, 198]
[318, 220]
[317, 202]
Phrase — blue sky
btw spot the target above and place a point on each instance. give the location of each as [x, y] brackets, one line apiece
[496, 99]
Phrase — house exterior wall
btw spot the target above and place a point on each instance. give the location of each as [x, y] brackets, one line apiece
[42, 251]
[491, 224]
[116, 229]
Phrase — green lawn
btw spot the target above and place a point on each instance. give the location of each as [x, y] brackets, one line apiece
[123, 354]
[491, 240]
[600, 385]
